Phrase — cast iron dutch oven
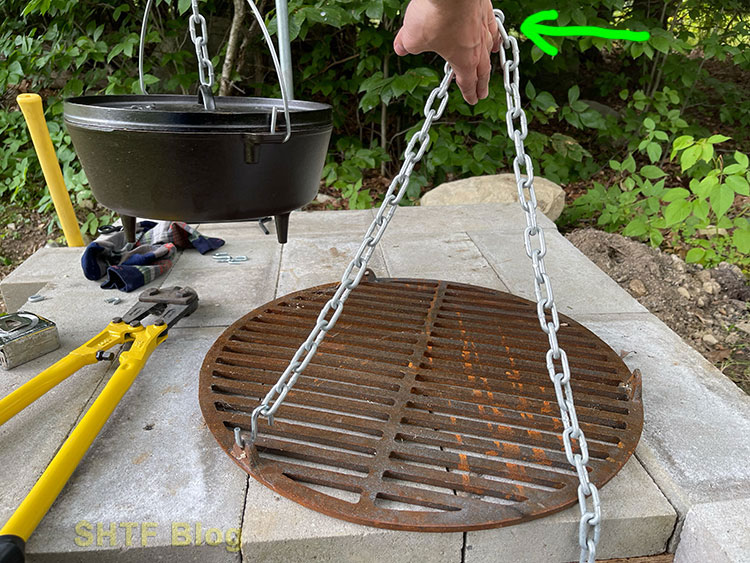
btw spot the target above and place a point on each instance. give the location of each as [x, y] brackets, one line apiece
[167, 157]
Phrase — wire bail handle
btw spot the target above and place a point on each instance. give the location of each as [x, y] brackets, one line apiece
[206, 69]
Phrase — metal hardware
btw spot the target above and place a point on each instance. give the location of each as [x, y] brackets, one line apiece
[36, 298]
[429, 396]
[357, 267]
[556, 358]
[590, 522]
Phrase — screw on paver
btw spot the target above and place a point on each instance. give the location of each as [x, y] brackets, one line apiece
[36, 297]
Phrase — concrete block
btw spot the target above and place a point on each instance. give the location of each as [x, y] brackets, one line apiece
[278, 530]
[578, 285]
[82, 308]
[697, 422]
[311, 261]
[447, 256]
[505, 218]
[717, 532]
[313, 223]
[237, 229]
[155, 465]
[228, 291]
[637, 520]
[301, 224]
[45, 265]
[30, 440]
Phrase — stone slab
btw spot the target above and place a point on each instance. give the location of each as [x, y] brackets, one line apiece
[307, 262]
[499, 217]
[716, 532]
[228, 291]
[154, 464]
[637, 520]
[278, 530]
[45, 265]
[697, 422]
[446, 256]
[30, 440]
[579, 286]
[692, 467]
[301, 224]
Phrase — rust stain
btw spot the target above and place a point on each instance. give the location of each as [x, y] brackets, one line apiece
[463, 463]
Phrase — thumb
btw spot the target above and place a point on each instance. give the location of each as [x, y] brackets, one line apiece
[398, 44]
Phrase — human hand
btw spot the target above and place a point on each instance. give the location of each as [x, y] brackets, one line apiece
[463, 32]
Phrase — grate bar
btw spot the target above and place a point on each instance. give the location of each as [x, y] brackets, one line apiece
[428, 408]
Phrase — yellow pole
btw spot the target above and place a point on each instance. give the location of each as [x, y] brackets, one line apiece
[31, 106]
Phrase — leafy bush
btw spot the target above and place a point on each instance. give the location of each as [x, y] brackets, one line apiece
[704, 220]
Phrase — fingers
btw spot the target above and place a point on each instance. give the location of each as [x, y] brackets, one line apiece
[493, 29]
[483, 75]
[398, 44]
[466, 78]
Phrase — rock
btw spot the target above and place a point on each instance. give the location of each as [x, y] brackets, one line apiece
[637, 288]
[11, 226]
[323, 198]
[732, 338]
[704, 275]
[701, 302]
[744, 326]
[684, 292]
[712, 231]
[498, 188]
[710, 340]
[708, 287]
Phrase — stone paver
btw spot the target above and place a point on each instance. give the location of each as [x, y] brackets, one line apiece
[569, 271]
[638, 521]
[277, 530]
[154, 468]
[716, 532]
[693, 451]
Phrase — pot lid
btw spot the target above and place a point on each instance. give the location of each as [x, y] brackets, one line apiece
[177, 113]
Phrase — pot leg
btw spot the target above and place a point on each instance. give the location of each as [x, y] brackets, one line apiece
[128, 225]
[282, 227]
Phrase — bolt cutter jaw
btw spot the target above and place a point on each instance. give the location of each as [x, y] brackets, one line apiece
[168, 305]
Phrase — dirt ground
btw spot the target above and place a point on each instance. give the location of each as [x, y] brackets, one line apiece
[709, 309]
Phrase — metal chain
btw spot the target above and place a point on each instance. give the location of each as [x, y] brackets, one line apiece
[557, 360]
[201, 46]
[356, 268]
[590, 522]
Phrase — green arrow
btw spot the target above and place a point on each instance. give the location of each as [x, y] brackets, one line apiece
[532, 29]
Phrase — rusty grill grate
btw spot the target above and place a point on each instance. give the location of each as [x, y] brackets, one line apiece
[428, 407]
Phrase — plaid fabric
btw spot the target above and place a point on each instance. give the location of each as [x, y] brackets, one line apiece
[128, 266]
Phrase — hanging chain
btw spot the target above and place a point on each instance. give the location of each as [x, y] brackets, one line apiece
[556, 358]
[356, 268]
[205, 68]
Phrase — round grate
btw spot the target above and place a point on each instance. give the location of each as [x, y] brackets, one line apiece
[428, 407]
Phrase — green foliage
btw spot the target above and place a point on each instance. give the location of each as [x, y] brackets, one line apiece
[704, 219]
[343, 55]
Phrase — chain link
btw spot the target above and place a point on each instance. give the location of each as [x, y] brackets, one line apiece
[589, 526]
[354, 272]
[205, 68]
[557, 360]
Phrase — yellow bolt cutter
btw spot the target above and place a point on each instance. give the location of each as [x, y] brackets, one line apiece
[168, 306]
